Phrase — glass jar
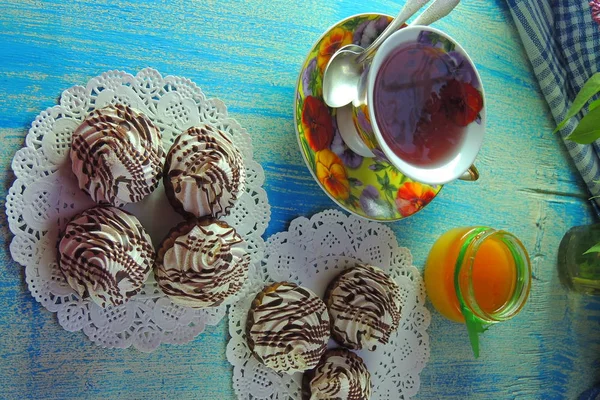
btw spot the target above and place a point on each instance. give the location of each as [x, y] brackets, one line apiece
[478, 275]
[579, 269]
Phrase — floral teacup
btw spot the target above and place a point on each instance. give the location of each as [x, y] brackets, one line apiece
[369, 187]
[421, 105]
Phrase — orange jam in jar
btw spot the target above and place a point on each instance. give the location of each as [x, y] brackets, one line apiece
[481, 270]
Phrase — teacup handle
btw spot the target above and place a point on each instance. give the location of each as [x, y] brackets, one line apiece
[471, 175]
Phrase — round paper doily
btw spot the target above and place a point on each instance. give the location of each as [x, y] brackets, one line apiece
[45, 196]
[311, 253]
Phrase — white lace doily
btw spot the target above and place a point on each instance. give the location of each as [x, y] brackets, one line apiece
[45, 196]
[311, 253]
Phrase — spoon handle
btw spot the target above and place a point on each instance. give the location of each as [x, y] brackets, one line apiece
[438, 10]
[411, 7]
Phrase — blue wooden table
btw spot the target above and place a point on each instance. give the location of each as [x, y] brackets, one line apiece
[248, 54]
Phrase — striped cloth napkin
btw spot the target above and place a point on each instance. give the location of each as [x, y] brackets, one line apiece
[562, 41]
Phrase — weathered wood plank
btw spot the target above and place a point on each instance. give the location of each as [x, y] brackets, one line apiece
[248, 54]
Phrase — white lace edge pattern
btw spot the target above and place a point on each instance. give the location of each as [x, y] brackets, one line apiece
[45, 196]
[311, 253]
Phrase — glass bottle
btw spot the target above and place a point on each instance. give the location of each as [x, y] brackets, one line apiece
[478, 276]
[579, 269]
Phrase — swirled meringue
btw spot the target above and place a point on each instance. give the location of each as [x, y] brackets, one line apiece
[117, 155]
[205, 173]
[341, 375]
[288, 328]
[201, 263]
[105, 254]
[365, 306]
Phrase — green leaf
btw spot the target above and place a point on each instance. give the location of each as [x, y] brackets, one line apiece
[389, 195]
[380, 180]
[386, 180]
[299, 113]
[589, 271]
[314, 82]
[594, 249]
[352, 201]
[591, 87]
[355, 182]
[353, 23]
[594, 104]
[309, 154]
[378, 167]
[588, 129]
[590, 283]
[448, 46]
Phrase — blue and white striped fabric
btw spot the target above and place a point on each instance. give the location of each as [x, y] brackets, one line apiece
[563, 44]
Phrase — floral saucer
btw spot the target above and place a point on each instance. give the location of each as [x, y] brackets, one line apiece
[368, 187]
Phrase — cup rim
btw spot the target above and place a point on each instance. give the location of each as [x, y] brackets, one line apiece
[440, 172]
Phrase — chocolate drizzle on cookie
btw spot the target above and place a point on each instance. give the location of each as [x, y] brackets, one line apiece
[365, 307]
[201, 263]
[340, 374]
[288, 328]
[205, 173]
[105, 254]
[117, 155]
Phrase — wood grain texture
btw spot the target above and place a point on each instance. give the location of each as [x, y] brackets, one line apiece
[248, 54]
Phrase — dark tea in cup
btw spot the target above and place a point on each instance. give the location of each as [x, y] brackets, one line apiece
[423, 100]
[421, 106]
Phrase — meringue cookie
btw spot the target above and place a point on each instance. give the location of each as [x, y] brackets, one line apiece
[288, 328]
[200, 264]
[204, 173]
[365, 307]
[106, 255]
[341, 375]
[117, 155]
